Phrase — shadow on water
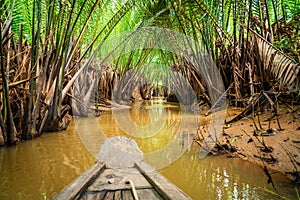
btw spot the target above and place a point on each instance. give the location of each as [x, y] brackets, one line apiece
[40, 168]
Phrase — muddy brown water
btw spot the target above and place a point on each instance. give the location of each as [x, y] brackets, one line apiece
[39, 168]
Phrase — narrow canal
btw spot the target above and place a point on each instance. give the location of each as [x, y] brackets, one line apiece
[39, 168]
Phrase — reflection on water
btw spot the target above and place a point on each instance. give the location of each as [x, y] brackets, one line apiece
[39, 168]
[218, 177]
[162, 144]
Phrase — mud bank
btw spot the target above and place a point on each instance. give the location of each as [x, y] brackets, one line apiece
[273, 142]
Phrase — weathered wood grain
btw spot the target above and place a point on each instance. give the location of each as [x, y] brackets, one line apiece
[118, 195]
[127, 195]
[93, 195]
[109, 195]
[148, 194]
[79, 185]
[128, 182]
[162, 185]
[117, 179]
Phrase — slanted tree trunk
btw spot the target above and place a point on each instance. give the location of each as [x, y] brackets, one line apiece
[10, 134]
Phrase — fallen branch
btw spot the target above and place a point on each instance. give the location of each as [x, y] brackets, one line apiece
[248, 110]
[15, 84]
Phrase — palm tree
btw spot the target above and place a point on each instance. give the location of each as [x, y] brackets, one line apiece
[51, 43]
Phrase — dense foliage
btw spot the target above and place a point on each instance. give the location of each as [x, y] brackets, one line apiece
[45, 43]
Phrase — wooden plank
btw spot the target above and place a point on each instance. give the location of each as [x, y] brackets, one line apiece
[148, 194]
[127, 195]
[117, 179]
[162, 185]
[109, 195]
[80, 184]
[100, 195]
[99, 182]
[93, 195]
[118, 195]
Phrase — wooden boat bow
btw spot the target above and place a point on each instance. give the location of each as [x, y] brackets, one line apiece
[121, 173]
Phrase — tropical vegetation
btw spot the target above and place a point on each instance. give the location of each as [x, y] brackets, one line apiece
[46, 44]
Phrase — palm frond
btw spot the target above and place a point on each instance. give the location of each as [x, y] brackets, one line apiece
[281, 67]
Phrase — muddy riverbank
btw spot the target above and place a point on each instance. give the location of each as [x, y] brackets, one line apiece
[272, 144]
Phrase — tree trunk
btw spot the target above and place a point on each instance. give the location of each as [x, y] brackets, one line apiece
[11, 138]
